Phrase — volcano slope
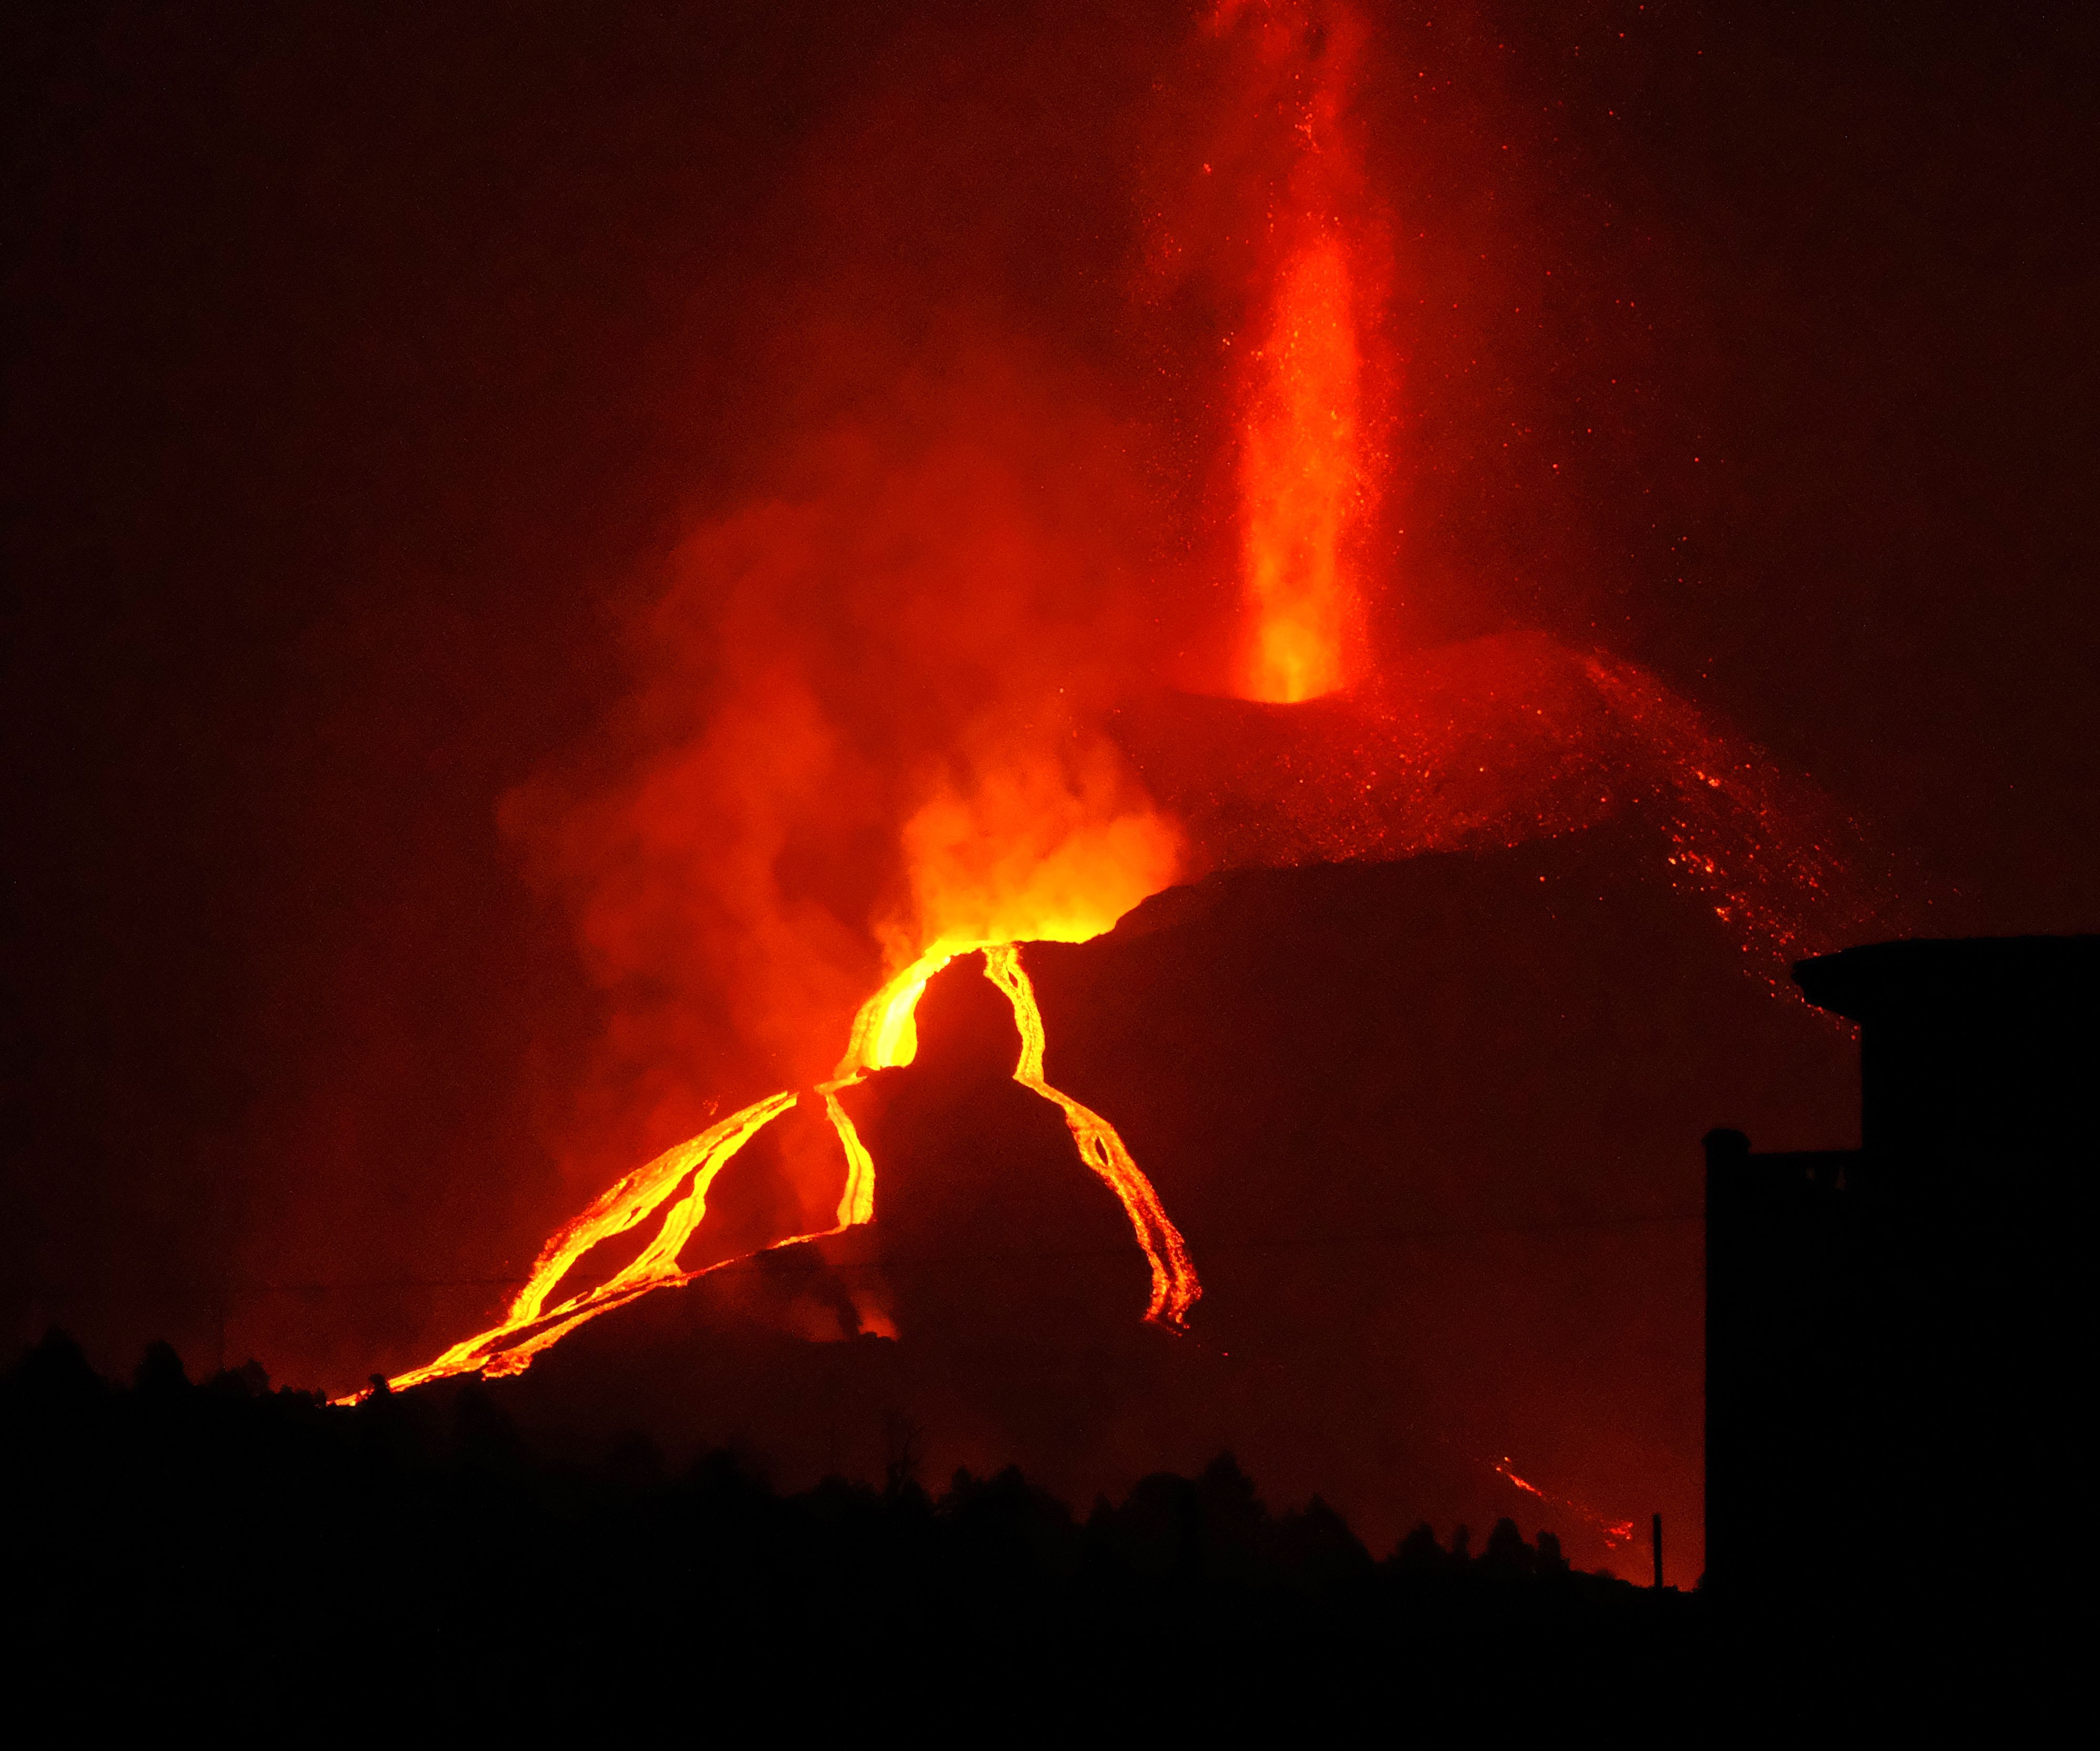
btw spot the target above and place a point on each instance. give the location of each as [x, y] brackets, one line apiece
[1430, 1130]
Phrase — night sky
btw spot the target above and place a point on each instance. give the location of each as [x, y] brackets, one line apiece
[365, 364]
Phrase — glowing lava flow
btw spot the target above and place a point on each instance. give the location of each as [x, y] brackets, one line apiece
[527, 1328]
[1615, 1532]
[1175, 1287]
[884, 1035]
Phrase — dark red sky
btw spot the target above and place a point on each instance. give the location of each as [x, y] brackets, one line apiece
[363, 365]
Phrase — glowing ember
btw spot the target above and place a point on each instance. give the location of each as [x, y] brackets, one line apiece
[1614, 1533]
[1497, 741]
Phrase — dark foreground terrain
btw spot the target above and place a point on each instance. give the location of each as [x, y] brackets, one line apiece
[416, 1542]
[237, 1556]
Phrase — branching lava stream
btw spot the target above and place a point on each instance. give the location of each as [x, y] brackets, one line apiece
[884, 1035]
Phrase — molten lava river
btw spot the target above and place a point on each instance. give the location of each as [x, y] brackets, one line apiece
[883, 1037]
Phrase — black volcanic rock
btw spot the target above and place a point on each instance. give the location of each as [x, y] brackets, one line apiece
[988, 1232]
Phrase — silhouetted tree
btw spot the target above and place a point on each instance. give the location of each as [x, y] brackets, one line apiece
[160, 1373]
[1507, 1555]
[904, 1451]
[1419, 1553]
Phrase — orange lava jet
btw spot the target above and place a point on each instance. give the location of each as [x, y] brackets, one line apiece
[1301, 481]
[1304, 485]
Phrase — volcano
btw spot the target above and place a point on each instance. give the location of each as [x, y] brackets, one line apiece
[1293, 1044]
[1405, 1115]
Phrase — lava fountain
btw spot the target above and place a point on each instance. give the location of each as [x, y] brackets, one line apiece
[1305, 487]
[1301, 483]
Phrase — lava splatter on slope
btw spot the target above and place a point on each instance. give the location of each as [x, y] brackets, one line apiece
[1504, 739]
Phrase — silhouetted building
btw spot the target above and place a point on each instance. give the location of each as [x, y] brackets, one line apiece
[1895, 1335]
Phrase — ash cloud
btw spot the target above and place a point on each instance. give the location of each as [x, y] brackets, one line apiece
[932, 563]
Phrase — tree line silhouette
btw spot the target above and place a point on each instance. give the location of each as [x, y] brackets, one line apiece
[420, 1529]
